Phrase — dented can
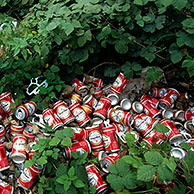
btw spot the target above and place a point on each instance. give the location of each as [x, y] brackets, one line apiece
[80, 146]
[2, 133]
[98, 93]
[29, 176]
[95, 179]
[52, 119]
[4, 164]
[80, 115]
[18, 154]
[32, 107]
[188, 115]
[153, 101]
[62, 111]
[5, 101]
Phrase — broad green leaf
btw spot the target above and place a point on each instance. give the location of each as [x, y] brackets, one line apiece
[58, 39]
[42, 160]
[61, 170]
[185, 146]
[121, 46]
[129, 181]
[115, 181]
[123, 167]
[78, 183]
[68, 28]
[176, 53]
[68, 132]
[170, 163]
[113, 169]
[136, 66]
[188, 161]
[166, 3]
[55, 69]
[147, 18]
[111, 71]
[61, 179]
[44, 50]
[37, 49]
[161, 128]
[164, 173]
[58, 87]
[138, 2]
[81, 41]
[52, 25]
[28, 163]
[54, 141]
[145, 173]
[66, 184]
[24, 53]
[179, 4]
[24, 2]
[71, 171]
[66, 141]
[153, 157]
[178, 189]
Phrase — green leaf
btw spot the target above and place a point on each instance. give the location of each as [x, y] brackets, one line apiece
[24, 2]
[113, 169]
[170, 163]
[24, 53]
[145, 173]
[185, 146]
[136, 66]
[178, 189]
[42, 160]
[81, 41]
[127, 69]
[121, 46]
[58, 87]
[44, 50]
[37, 49]
[129, 181]
[147, 18]
[71, 171]
[122, 166]
[166, 3]
[54, 141]
[111, 71]
[115, 181]
[69, 132]
[161, 128]
[28, 163]
[58, 39]
[48, 152]
[61, 179]
[66, 141]
[55, 69]
[153, 157]
[153, 74]
[52, 25]
[78, 183]
[188, 161]
[68, 28]
[138, 2]
[164, 173]
[179, 4]
[67, 184]
[176, 53]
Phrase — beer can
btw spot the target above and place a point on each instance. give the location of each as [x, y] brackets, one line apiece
[97, 82]
[136, 107]
[22, 112]
[143, 123]
[3, 114]
[79, 134]
[98, 121]
[110, 139]
[114, 98]
[18, 154]
[29, 176]
[125, 104]
[95, 138]
[80, 146]
[188, 115]
[90, 100]
[5, 101]
[120, 116]
[100, 154]
[158, 92]
[95, 179]
[16, 129]
[98, 93]
[167, 113]
[76, 97]
[28, 132]
[102, 108]
[78, 85]
[178, 152]
[32, 150]
[119, 84]
[32, 107]
[121, 128]
[62, 111]
[108, 160]
[173, 135]
[5, 188]
[4, 164]
[2, 133]
[179, 115]
[80, 115]
[87, 108]
[191, 143]
[152, 100]
[52, 119]
[168, 100]
[149, 109]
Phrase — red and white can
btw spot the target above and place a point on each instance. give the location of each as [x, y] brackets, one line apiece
[173, 135]
[188, 115]
[4, 164]
[5, 188]
[110, 139]
[32, 107]
[80, 146]
[87, 108]
[98, 93]
[125, 104]
[168, 100]
[179, 115]
[97, 82]
[149, 109]
[28, 132]
[144, 123]
[62, 111]
[121, 128]
[2, 133]
[16, 129]
[120, 116]
[78, 85]
[21, 112]
[52, 119]
[102, 108]
[95, 138]
[114, 98]
[95, 179]
[32, 151]
[98, 121]
[152, 100]
[5, 101]
[136, 107]
[3, 114]
[18, 154]
[108, 160]
[80, 115]
[119, 84]
[79, 134]
[29, 176]
[90, 100]
[76, 98]
[158, 92]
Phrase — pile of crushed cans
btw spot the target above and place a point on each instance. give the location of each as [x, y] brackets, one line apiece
[99, 119]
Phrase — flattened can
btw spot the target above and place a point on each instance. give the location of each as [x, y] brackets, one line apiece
[6, 188]
[95, 138]
[18, 154]
[4, 164]
[29, 176]
[102, 108]
[95, 179]
[110, 139]
[152, 100]
[62, 111]
[52, 119]
[5, 101]
[78, 85]
[80, 115]
[80, 146]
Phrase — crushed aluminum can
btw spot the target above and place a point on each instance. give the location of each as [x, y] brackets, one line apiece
[168, 100]
[185, 95]
[79, 134]
[125, 104]
[4, 164]
[152, 100]
[119, 84]
[137, 107]
[114, 98]
[2, 133]
[87, 108]
[178, 152]
[5, 101]
[110, 139]
[95, 138]
[80, 115]
[3, 114]
[108, 160]
[16, 129]
[52, 119]
[188, 125]
[21, 112]
[29, 176]
[78, 85]
[173, 135]
[62, 111]
[18, 154]
[95, 179]
[102, 108]
[80, 146]
[90, 100]
[76, 98]
[143, 123]
[120, 116]
[188, 115]
[96, 81]
[5, 188]
[158, 92]
[149, 109]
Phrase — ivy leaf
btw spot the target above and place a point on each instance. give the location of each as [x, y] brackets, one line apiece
[176, 53]
[54, 141]
[121, 46]
[164, 173]
[78, 183]
[153, 157]
[145, 173]
[44, 50]
[161, 128]
[42, 160]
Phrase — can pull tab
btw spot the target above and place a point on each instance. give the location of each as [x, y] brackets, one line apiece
[38, 120]
[121, 136]
[107, 123]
